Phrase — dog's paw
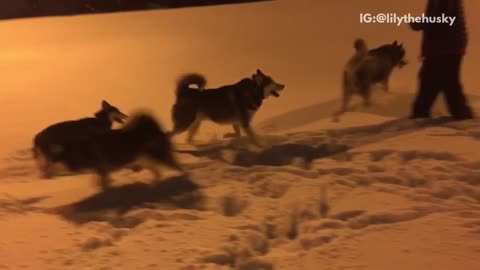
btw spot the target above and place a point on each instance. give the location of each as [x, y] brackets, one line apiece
[46, 176]
[255, 148]
[367, 104]
[104, 187]
[261, 144]
[46, 173]
[186, 174]
[136, 168]
[230, 135]
[103, 183]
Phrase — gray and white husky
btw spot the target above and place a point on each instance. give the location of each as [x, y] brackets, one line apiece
[367, 68]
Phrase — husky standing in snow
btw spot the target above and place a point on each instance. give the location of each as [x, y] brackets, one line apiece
[233, 104]
[367, 68]
[50, 141]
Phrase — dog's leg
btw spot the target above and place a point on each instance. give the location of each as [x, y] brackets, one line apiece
[245, 124]
[385, 85]
[176, 130]
[250, 133]
[385, 81]
[136, 168]
[164, 156]
[104, 178]
[346, 100]
[367, 100]
[149, 161]
[179, 128]
[184, 113]
[172, 162]
[236, 132]
[157, 176]
[365, 90]
[347, 95]
[348, 86]
[192, 131]
[245, 119]
[47, 170]
[43, 164]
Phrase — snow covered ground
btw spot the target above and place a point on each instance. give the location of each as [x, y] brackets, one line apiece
[374, 191]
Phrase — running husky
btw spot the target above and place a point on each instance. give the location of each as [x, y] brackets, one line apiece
[47, 143]
[233, 104]
[367, 68]
[140, 142]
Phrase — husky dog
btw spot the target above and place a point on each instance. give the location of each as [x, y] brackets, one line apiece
[233, 104]
[140, 142]
[48, 142]
[367, 68]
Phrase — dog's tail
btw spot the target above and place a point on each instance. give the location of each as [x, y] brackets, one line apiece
[360, 45]
[144, 121]
[186, 80]
[36, 146]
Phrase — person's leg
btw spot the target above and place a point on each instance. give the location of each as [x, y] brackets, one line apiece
[454, 96]
[429, 87]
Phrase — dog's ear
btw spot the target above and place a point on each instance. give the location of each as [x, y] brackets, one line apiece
[395, 43]
[258, 79]
[105, 105]
[260, 73]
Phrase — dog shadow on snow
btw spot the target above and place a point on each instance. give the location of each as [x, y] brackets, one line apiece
[274, 155]
[392, 104]
[113, 205]
[301, 149]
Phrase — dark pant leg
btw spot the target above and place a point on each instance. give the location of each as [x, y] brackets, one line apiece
[452, 88]
[429, 88]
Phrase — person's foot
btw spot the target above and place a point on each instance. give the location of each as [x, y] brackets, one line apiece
[462, 117]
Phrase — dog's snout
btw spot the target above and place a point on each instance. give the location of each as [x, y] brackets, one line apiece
[281, 86]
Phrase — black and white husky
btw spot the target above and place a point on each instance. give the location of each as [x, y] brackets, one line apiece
[233, 104]
[140, 142]
[49, 141]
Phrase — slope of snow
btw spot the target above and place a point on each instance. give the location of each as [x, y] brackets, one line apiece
[360, 197]
[374, 191]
